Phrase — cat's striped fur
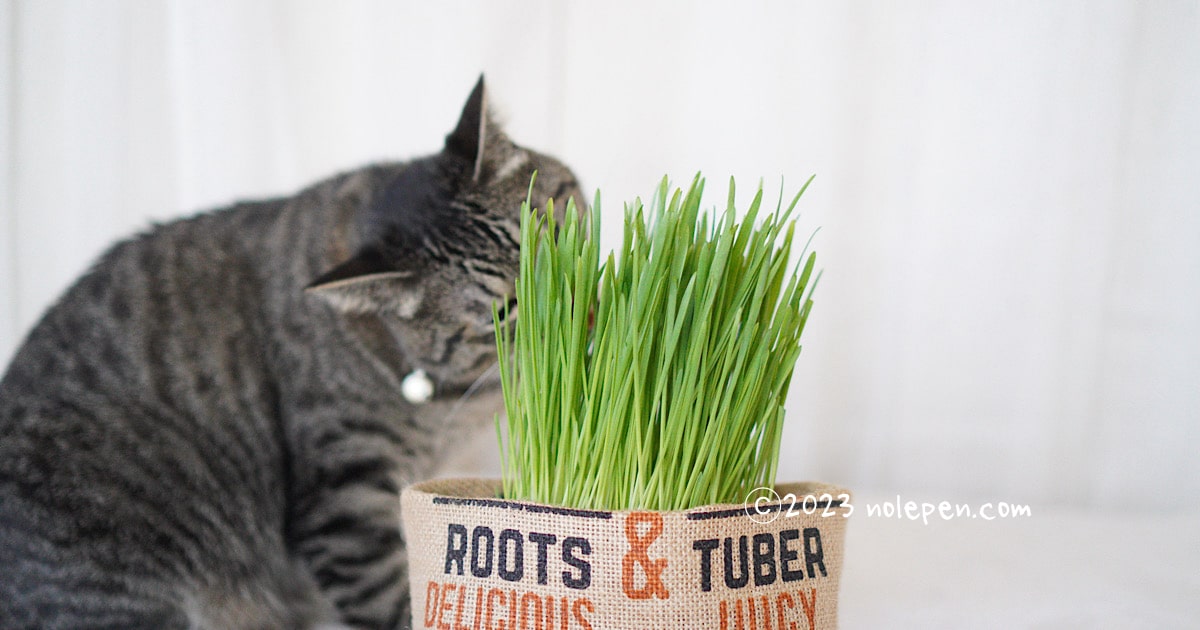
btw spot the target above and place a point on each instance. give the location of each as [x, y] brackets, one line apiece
[207, 430]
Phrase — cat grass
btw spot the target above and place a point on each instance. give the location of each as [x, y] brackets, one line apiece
[656, 378]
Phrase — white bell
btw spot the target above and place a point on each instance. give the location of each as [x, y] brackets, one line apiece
[417, 388]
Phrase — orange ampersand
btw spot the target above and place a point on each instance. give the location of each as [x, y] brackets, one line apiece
[637, 555]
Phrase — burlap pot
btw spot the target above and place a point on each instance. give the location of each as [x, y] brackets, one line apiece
[481, 563]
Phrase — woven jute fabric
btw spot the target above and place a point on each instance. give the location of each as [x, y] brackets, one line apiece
[480, 562]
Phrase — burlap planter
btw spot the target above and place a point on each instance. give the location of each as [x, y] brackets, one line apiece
[481, 563]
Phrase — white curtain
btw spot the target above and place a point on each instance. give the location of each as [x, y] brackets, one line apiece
[1008, 193]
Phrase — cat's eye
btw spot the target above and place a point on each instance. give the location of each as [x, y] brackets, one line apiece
[508, 312]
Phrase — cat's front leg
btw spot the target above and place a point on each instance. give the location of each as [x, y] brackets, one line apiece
[347, 529]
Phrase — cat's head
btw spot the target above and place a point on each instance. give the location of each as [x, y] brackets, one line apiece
[438, 245]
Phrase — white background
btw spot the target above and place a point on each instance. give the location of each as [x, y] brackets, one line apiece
[1008, 193]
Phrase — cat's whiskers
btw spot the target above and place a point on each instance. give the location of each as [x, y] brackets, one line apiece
[471, 390]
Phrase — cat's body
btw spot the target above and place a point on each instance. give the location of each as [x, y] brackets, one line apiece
[208, 431]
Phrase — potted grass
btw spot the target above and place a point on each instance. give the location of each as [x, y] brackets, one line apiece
[644, 397]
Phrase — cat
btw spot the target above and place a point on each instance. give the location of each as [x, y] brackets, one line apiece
[208, 430]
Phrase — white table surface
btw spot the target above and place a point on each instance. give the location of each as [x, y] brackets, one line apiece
[1057, 568]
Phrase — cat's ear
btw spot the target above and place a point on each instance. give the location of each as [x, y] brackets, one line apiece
[364, 284]
[477, 138]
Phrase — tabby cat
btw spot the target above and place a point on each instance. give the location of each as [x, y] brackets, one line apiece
[208, 429]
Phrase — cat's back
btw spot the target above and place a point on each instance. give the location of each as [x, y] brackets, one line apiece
[112, 330]
[136, 401]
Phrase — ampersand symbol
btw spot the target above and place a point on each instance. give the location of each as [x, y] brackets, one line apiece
[638, 544]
